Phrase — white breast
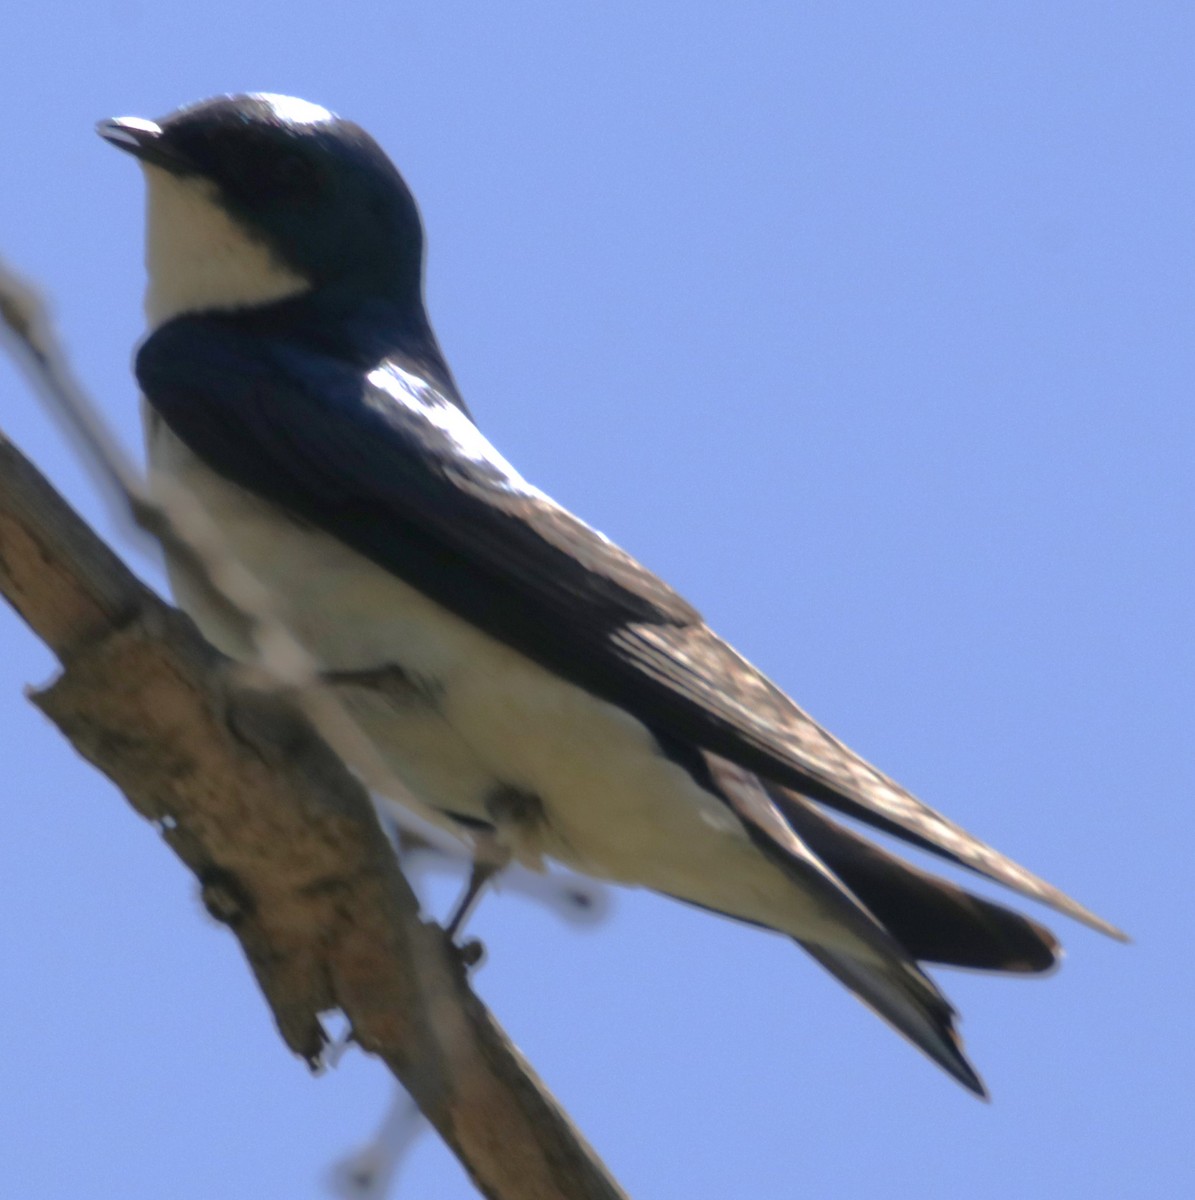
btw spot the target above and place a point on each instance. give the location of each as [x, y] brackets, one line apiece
[615, 806]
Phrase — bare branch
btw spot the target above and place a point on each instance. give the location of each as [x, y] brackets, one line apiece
[284, 841]
[196, 544]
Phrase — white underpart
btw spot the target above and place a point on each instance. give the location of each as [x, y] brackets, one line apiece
[294, 111]
[199, 259]
[615, 807]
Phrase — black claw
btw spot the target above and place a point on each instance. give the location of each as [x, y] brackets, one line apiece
[471, 953]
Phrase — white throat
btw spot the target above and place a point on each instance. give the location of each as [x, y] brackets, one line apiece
[198, 259]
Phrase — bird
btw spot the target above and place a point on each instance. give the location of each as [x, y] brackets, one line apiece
[531, 683]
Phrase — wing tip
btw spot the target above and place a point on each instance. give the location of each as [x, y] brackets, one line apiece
[1084, 915]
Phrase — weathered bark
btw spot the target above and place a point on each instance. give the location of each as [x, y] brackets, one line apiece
[284, 842]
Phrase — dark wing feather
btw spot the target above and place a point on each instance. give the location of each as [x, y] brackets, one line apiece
[713, 695]
[387, 477]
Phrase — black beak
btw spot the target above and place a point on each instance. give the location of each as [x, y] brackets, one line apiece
[144, 140]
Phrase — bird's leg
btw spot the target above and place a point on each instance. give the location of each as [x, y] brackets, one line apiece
[490, 855]
[517, 814]
[484, 868]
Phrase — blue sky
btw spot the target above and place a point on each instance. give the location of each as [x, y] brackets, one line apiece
[870, 327]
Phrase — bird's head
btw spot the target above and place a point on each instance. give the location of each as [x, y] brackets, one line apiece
[255, 198]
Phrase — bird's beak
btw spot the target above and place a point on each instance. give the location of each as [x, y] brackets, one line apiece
[144, 140]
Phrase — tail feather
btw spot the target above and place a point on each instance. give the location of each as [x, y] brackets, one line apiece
[935, 920]
[920, 1013]
[867, 956]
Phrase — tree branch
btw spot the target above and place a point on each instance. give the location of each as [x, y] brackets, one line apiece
[284, 842]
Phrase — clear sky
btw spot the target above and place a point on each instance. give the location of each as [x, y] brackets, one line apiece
[870, 327]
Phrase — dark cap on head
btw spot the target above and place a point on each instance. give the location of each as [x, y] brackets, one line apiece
[317, 189]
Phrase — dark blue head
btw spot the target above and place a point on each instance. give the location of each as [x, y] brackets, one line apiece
[318, 193]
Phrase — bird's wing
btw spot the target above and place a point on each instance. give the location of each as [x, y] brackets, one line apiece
[391, 467]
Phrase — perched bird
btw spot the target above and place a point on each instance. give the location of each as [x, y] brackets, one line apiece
[521, 674]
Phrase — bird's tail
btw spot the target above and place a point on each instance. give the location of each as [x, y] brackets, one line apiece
[931, 919]
[859, 949]
[910, 1003]
[935, 920]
